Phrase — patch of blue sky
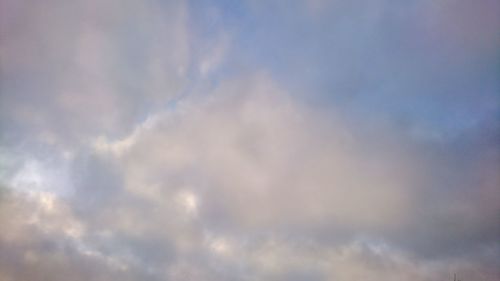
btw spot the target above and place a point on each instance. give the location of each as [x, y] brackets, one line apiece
[372, 62]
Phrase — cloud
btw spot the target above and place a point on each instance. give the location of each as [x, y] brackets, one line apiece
[102, 68]
[268, 146]
[245, 182]
[145, 146]
[255, 184]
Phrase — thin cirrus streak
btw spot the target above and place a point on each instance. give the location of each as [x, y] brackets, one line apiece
[250, 140]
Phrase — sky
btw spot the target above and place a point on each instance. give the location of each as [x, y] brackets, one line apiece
[249, 140]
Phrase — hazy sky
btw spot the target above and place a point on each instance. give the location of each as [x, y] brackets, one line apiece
[249, 140]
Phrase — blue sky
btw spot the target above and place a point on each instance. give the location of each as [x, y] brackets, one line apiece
[379, 57]
[249, 140]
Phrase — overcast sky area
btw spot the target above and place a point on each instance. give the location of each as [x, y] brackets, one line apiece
[226, 140]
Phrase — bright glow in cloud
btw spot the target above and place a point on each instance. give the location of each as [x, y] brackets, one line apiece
[188, 201]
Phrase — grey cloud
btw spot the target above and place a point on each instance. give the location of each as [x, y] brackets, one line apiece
[248, 184]
[255, 146]
[40, 240]
[100, 64]
[457, 199]
[281, 168]
[129, 153]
